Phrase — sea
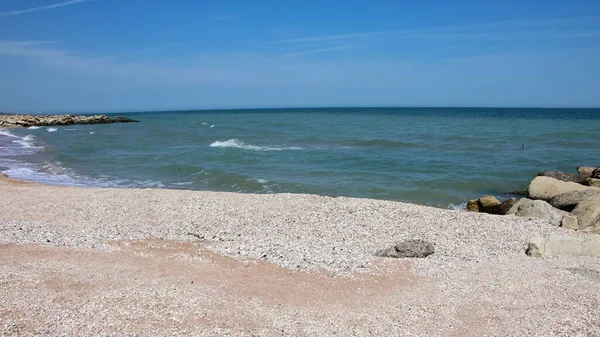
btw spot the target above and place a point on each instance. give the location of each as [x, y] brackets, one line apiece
[440, 157]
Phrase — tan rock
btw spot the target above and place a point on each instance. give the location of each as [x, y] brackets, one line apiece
[557, 245]
[570, 222]
[488, 201]
[545, 188]
[473, 206]
[585, 169]
[587, 212]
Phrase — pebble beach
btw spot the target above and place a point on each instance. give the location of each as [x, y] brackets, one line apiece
[94, 261]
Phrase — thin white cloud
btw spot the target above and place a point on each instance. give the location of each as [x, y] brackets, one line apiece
[42, 8]
[515, 29]
[320, 50]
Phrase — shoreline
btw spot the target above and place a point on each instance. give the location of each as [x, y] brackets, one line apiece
[205, 263]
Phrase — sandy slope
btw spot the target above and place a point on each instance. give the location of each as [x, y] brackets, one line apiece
[82, 261]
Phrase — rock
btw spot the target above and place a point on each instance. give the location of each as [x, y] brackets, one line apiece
[387, 252]
[572, 177]
[3, 175]
[586, 170]
[507, 205]
[489, 204]
[570, 222]
[564, 245]
[538, 209]
[596, 173]
[409, 248]
[489, 201]
[545, 188]
[593, 182]
[568, 201]
[587, 212]
[473, 205]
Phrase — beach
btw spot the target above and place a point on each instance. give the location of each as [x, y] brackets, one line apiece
[103, 261]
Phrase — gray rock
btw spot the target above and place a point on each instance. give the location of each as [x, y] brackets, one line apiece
[538, 209]
[596, 173]
[557, 245]
[507, 205]
[546, 188]
[568, 201]
[579, 178]
[409, 248]
[588, 213]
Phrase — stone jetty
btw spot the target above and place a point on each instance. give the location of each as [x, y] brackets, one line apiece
[11, 121]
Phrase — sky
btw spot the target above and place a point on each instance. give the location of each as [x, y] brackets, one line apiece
[140, 55]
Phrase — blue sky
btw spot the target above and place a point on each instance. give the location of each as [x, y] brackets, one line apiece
[129, 55]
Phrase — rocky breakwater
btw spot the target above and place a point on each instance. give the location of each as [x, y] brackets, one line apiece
[568, 200]
[10, 121]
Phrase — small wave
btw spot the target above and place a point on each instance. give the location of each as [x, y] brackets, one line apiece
[212, 126]
[92, 132]
[458, 207]
[234, 143]
[33, 127]
[52, 129]
[204, 123]
[6, 133]
[27, 141]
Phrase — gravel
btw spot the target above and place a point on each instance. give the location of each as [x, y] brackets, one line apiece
[479, 279]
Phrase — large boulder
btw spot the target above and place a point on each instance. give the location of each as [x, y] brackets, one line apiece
[538, 209]
[409, 248]
[546, 188]
[557, 245]
[588, 213]
[573, 177]
[568, 201]
[586, 170]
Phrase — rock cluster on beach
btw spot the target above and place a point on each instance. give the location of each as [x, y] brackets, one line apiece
[8, 121]
[568, 200]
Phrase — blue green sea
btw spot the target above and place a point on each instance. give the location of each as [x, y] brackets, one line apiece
[434, 156]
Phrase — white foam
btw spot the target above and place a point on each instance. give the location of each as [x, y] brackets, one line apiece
[33, 127]
[92, 132]
[185, 183]
[234, 143]
[459, 207]
[204, 123]
[6, 133]
[52, 129]
[262, 181]
[27, 141]
[212, 126]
